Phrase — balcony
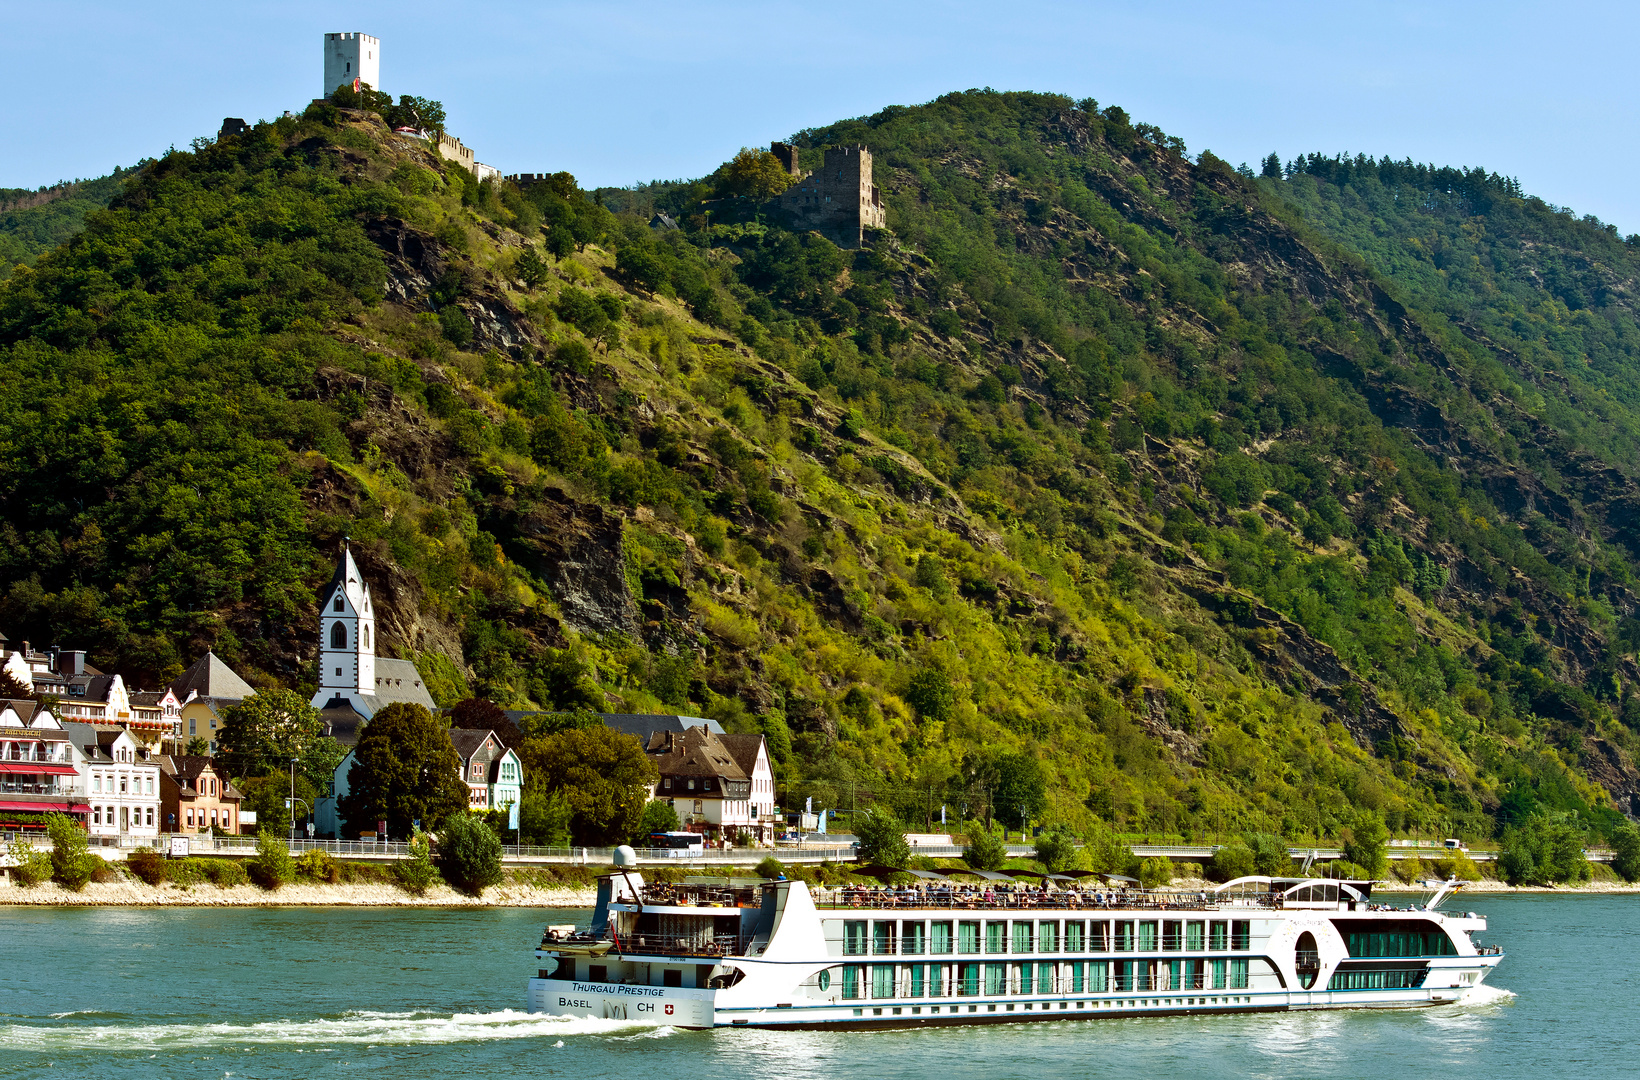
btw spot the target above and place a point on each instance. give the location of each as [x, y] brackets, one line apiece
[10, 786]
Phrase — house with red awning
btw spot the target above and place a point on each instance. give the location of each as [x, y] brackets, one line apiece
[37, 772]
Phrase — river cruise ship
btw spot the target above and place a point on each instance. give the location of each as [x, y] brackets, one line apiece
[782, 955]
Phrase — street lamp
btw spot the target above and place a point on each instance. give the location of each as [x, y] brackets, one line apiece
[290, 830]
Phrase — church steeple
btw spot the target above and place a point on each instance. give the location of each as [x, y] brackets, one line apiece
[347, 632]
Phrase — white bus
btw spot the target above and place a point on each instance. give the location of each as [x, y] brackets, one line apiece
[678, 845]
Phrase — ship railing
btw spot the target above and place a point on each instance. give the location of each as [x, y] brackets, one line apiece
[1489, 950]
[681, 945]
[1058, 900]
[697, 896]
[1306, 962]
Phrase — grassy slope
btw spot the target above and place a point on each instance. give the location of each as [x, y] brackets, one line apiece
[1089, 463]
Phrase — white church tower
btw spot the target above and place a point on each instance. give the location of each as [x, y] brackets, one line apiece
[347, 636]
[349, 57]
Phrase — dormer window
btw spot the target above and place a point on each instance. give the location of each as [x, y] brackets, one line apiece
[691, 785]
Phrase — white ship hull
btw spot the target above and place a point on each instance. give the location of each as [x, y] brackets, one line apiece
[786, 963]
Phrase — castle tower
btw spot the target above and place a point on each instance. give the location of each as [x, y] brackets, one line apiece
[347, 635]
[349, 57]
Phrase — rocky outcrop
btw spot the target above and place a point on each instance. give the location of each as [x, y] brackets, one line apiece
[577, 549]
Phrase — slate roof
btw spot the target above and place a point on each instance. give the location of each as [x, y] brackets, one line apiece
[398, 680]
[342, 721]
[743, 748]
[210, 677]
[644, 725]
[693, 752]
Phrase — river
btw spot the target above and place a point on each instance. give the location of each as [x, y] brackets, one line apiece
[404, 992]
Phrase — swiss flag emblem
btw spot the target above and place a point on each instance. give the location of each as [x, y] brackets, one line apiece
[669, 1010]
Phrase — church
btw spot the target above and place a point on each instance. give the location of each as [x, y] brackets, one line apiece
[353, 682]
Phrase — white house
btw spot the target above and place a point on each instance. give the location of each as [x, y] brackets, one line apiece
[493, 775]
[121, 782]
[719, 785]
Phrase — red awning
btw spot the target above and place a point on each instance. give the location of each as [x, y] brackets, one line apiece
[36, 767]
[46, 807]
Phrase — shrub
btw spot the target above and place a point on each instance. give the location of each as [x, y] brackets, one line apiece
[272, 866]
[149, 866]
[771, 867]
[1409, 870]
[469, 854]
[316, 865]
[72, 865]
[33, 867]
[415, 874]
[984, 850]
[225, 873]
[1155, 872]
[1625, 852]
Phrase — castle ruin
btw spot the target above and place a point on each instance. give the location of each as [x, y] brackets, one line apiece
[837, 200]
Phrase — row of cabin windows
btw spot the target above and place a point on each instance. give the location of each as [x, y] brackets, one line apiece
[888, 937]
[1390, 979]
[1432, 944]
[882, 981]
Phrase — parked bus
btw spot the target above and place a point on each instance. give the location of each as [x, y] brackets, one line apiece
[678, 845]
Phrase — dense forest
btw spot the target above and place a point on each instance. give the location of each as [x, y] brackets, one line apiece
[1108, 485]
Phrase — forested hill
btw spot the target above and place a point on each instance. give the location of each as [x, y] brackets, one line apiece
[1106, 485]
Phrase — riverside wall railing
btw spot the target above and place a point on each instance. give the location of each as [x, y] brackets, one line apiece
[524, 855]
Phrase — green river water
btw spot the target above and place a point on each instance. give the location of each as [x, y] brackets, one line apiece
[405, 992]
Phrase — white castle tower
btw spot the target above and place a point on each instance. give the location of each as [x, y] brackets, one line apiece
[349, 57]
[347, 636]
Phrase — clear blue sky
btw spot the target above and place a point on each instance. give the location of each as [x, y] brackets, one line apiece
[618, 93]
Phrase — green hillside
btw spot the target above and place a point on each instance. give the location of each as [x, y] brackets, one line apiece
[1106, 484]
[34, 222]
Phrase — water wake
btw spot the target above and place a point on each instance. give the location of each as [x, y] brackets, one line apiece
[1484, 995]
[352, 1028]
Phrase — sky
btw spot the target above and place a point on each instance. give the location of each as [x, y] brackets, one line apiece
[620, 93]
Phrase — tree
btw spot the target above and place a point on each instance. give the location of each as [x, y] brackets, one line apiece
[1626, 853]
[1546, 849]
[1155, 872]
[604, 774]
[469, 854]
[1021, 791]
[882, 840]
[532, 269]
[984, 851]
[1270, 855]
[198, 746]
[404, 770]
[543, 817]
[931, 694]
[13, 689]
[754, 173]
[658, 816]
[1367, 844]
[1055, 850]
[1271, 169]
[72, 863]
[1230, 862]
[482, 714]
[267, 795]
[264, 731]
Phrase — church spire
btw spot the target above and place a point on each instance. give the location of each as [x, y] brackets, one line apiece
[347, 632]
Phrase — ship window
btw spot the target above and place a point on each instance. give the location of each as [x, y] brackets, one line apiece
[851, 981]
[882, 980]
[968, 981]
[914, 939]
[1241, 936]
[968, 937]
[916, 980]
[1171, 934]
[1193, 936]
[823, 981]
[1218, 975]
[1124, 937]
[1022, 937]
[882, 938]
[854, 937]
[1047, 937]
[940, 939]
[1073, 937]
[996, 937]
[1147, 937]
[1218, 936]
[597, 973]
[672, 977]
[996, 979]
[1238, 974]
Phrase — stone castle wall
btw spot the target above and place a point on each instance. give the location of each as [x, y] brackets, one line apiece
[837, 200]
